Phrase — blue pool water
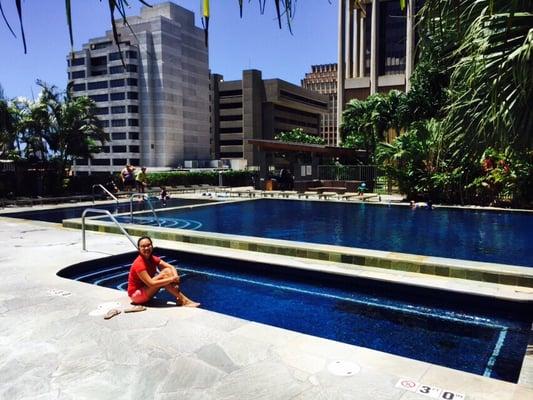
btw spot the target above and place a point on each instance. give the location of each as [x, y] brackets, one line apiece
[500, 237]
[482, 336]
[59, 214]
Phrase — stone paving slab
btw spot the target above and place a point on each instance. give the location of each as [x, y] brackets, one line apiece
[51, 348]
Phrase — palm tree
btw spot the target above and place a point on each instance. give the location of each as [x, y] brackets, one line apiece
[72, 127]
[488, 45]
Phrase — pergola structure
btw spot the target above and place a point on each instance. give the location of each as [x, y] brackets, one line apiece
[292, 150]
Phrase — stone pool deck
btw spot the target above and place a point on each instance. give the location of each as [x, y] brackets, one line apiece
[51, 348]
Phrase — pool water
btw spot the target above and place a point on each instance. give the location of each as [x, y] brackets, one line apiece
[488, 236]
[59, 214]
[469, 333]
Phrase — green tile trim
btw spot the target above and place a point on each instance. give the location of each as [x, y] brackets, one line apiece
[509, 280]
[457, 273]
[325, 255]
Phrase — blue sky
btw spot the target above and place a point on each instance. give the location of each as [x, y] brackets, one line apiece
[255, 41]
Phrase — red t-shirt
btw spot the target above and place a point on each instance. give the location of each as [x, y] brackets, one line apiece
[140, 264]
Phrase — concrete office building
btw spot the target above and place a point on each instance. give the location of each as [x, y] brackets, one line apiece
[376, 48]
[253, 108]
[156, 109]
[323, 79]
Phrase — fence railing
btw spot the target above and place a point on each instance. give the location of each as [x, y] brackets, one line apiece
[366, 173]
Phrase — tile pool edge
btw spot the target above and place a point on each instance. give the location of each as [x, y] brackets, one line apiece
[436, 266]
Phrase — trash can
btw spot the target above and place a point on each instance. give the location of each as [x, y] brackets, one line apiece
[269, 184]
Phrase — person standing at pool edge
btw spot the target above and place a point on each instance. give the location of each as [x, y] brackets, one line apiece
[144, 281]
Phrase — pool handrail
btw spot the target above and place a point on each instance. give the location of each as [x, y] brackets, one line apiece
[106, 212]
[105, 190]
[145, 197]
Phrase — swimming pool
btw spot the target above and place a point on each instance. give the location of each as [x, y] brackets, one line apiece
[479, 335]
[487, 236]
[58, 214]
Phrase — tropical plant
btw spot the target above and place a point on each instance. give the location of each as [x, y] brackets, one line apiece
[297, 135]
[489, 47]
[366, 122]
[410, 159]
[72, 129]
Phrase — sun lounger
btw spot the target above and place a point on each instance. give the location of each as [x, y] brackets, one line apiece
[270, 193]
[287, 193]
[348, 196]
[327, 195]
[307, 194]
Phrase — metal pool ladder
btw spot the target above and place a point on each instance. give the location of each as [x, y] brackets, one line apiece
[106, 212]
[147, 199]
[108, 193]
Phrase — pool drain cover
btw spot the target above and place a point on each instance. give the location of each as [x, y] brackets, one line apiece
[343, 368]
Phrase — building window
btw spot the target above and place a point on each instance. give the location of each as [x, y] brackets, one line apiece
[120, 149]
[116, 83]
[134, 135]
[225, 93]
[116, 70]
[231, 142]
[82, 161]
[77, 74]
[103, 123]
[104, 149]
[231, 117]
[237, 129]
[120, 161]
[97, 85]
[118, 135]
[98, 61]
[114, 56]
[101, 111]
[133, 109]
[118, 122]
[131, 54]
[118, 96]
[99, 97]
[133, 122]
[78, 87]
[119, 69]
[133, 95]
[131, 81]
[118, 109]
[224, 106]
[101, 45]
[135, 161]
[100, 161]
[134, 149]
[74, 62]
[232, 155]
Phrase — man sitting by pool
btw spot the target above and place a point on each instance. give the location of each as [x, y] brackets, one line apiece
[144, 281]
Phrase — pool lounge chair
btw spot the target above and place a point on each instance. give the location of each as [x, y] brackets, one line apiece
[270, 193]
[327, 195]
[307, 194]
[348, 196]
[287, 193]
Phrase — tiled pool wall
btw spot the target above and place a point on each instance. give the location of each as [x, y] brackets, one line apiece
[460, 269]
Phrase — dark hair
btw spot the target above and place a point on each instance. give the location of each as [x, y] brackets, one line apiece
[142, 238]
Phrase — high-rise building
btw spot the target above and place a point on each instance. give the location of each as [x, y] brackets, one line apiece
[376, 48]
[253, 108]
[323, 79]
[156, 107]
